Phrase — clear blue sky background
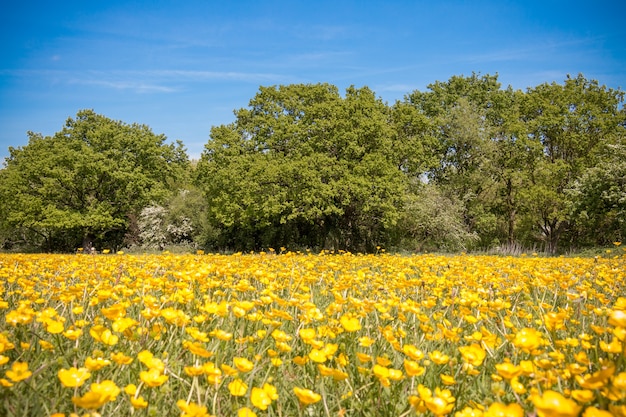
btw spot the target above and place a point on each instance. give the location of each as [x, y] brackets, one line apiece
[182, 67]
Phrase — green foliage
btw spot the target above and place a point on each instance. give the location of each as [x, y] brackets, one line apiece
[572, 123]
[304, 166]
[598, 199]
[432, 221]
[462, 165]
[81, 185]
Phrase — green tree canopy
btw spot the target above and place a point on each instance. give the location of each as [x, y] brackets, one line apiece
[572, 123]
[304, 166]
[87, 182]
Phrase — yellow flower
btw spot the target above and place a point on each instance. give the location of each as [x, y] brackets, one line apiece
[413, 368]
[618, 410]
[447, 380]
[317, 355]
[130, 389]
[271, 391]
[138, 402]
[95, 364]
[73, 377]
[245, 412]
[19, 372]
[366, 341]
[553, 404]
[122, 324]
[213, 373]
[46, 345]
[350, 323]
[583, 396]
[507, 370]
[614, 347]
[595, 412]
[121, 359]
[259, 398]
[222, 335]
[300, 360]
[517, 386]
[441, 403]
[502, 410]
[103, 335]
[243, 364]
[72, 334]
[195, 370]
[555, 321]
[306, 396]
[100, 394]
[197, 349]
[197, 334]
[439, 357]
[54, 326]
[107, 389]
[412, 352]
[469, 412]
[114, 312]
[237, 388]
[192, 409]
[596, 380]
[147, 358]
[228, 370]
[473, 354]
[528, 339]
[307, 335]
[153, 377]
[91, 400]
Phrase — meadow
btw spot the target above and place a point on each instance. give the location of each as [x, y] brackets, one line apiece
[301, 334]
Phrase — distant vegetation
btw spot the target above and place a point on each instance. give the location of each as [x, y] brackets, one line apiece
[464, 165]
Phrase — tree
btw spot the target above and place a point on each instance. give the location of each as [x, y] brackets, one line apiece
[512, 155]
[598, 198]
[82, 185]
[431, 221]
[303, 166]
[462, 111]
[570, 122]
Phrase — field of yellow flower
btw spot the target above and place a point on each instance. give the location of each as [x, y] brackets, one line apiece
[312, 335]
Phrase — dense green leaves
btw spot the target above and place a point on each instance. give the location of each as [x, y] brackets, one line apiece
[304, 166]
[465, 164]
[84, 184]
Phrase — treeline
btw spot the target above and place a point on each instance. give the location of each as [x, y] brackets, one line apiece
[464, 165]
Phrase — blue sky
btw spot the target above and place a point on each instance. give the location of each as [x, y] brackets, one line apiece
[182, 67]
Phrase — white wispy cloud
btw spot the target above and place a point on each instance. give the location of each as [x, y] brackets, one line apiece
[137, 86]
[211, 75]
[322, 32]
[531, 50]
[395, 88]
[146, 81]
